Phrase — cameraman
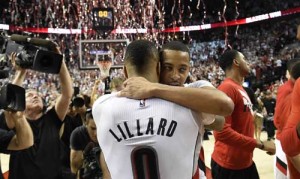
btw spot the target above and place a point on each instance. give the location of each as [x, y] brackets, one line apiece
[42, 160]
[85, 150]
[18, 139]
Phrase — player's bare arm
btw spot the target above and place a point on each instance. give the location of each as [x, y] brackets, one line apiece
[217, 125]
[205, 100]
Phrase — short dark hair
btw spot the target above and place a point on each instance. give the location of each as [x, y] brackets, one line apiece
[174, 45]
[226, 59]
[291, 63]
[139, 53]
[78, 101]
[295, 72]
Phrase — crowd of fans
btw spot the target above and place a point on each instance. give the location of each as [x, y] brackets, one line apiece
[267, 48]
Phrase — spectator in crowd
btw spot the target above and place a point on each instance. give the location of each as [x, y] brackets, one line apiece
[75, 117]
[282, 111]
[269, 106]
[257, 108]
[258, 118]
[233, 151]
[42, 160]
[289, 137]
[85, 150]
[141, 58]
[79, 109]
[18, 135]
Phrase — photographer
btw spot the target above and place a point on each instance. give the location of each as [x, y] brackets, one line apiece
[42, 160]
[74, 118]
[18, 139]
[85, 150]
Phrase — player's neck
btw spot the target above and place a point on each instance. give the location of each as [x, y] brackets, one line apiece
[150, 77]
[235, 76]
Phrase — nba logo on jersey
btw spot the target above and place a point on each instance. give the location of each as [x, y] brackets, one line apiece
[142, 103]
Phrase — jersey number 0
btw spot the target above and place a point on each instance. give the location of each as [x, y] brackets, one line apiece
[145, 163]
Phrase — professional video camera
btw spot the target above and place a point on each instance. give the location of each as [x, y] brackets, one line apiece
[91, 164]
[12, 97]
[32, 53]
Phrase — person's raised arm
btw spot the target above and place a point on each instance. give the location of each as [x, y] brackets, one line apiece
[94, 94]
[212, 101]
[24, 137]
[63, 101]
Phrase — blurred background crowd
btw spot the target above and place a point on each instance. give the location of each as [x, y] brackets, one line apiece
[268, 44]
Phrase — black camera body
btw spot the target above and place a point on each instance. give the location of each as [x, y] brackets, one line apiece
[34, 57]
[12, 98]
[91, 166]
[32, 53]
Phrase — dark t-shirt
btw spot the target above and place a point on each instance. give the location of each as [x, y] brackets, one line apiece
[5, 138]
[70, 123]
[80, 138]
[42, 160]
[269, 104]
[5, 134]
[80, 141]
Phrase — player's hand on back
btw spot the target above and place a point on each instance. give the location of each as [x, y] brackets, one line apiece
[137, 88]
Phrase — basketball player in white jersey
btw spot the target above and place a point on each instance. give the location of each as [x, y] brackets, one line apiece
[149, 138]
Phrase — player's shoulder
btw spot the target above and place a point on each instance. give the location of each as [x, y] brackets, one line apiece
[199, 84]
[100, 103]
[228, 84]
[104, 98]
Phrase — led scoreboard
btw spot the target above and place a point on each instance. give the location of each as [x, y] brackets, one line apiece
[103, 18]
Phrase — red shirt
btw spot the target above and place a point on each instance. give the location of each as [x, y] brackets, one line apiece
[234, 145]
[289, 138]
[283, 106]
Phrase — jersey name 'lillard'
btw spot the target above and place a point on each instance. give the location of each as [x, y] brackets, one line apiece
[164, 128]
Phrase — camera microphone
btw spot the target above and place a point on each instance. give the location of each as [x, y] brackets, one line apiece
[34, 41]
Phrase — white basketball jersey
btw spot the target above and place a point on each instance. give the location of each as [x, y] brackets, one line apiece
[150, 138]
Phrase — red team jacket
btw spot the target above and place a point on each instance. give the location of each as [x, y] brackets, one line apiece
[283, 106]
[289, 138]
[234, 145]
